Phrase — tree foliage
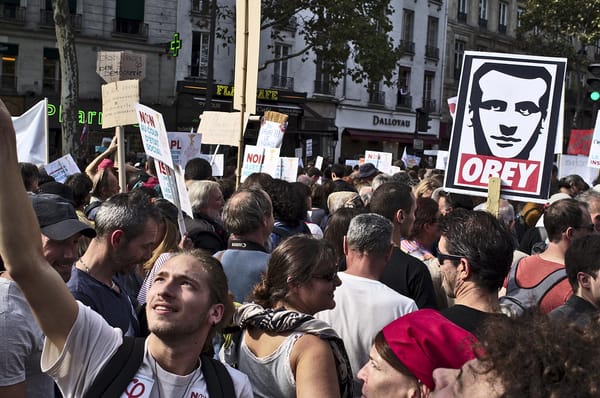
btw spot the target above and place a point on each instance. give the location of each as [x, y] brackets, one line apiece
[560, 28]
[335, 31]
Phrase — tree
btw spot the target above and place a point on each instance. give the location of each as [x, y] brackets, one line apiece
[334, 31]
[69, 92]
[562, 28]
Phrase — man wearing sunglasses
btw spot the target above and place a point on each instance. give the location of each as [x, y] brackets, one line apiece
[475, 253]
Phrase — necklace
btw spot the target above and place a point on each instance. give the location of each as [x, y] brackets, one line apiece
[190, 383]
[112, 286]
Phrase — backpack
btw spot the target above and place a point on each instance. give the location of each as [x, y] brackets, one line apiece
[283, 231]
[116, 375]
[520, 300]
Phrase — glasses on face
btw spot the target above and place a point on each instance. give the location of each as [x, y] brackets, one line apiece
[441, 257]
[326, 277]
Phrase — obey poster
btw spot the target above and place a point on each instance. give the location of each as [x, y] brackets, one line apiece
[507, 116]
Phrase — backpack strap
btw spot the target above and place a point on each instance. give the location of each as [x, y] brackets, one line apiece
[115, 376]
[533, 296]
[218, 381]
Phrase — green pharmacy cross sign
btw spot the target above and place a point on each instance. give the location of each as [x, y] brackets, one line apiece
[175, 44]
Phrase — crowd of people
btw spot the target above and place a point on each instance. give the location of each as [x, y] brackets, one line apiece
[346, 283]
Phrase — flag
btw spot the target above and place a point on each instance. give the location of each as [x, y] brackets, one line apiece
[84, 133]
[32, 134]
[452, 106]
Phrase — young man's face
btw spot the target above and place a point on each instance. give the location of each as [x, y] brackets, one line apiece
[61, 254]
[509, 115]
[179, 301]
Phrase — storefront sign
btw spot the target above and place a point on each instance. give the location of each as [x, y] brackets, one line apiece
[390, 121]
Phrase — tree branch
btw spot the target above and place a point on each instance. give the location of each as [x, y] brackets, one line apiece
[296, 54]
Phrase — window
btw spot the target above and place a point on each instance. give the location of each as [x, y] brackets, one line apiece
[431, 48]
[408, 22]
[280, 68]
[130, 17]
[8, 65]
[459, 52]
[483, 13]
[51, 68]
[200, 6]
[404, 97]
[376, 96]
[520, 12]
[428, 101]
[502, 16]
[323, 82]
[462, 10]
[199, 55]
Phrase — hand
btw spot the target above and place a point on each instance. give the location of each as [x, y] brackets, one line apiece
[114, 144]
[186, 243]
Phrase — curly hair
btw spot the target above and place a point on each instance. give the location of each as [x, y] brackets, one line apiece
[537, 357]
[289, 206]
[427, 212]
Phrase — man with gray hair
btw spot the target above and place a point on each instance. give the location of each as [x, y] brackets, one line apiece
[368, 248]
[248, 217]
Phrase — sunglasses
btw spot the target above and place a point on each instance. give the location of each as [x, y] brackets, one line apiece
[326, 277]
[441, 257]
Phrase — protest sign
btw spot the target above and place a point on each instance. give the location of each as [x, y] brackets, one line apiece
[381, 160]
[272, 128]
[259, 160]
[507, 115]
[217, 162]
[579, 142]
[117, 103]
[286, 169]
[594, 152]
[62, 167]
[184, 146]
[154, 134]
[573, 164]
[221, 127]
[319, 162]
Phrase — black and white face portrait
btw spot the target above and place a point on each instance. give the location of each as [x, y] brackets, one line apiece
[508, 106]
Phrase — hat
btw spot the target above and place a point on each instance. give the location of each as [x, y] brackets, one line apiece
[366, 170]
[558, 196]
[425, 340]
[57, 217]
[56, 188]
[106, 164]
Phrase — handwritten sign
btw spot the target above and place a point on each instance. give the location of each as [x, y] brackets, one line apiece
[259, 160]
[381, 160]
[117, 103]
[154, 134]
[113, 66]
[61, 168]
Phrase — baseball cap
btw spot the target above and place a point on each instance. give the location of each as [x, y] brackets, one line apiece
[57, 217]
[425, 340]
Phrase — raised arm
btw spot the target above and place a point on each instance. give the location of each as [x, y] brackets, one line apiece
[53, 305]
[92, 168]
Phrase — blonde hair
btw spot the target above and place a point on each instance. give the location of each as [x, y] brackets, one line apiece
[169, 243]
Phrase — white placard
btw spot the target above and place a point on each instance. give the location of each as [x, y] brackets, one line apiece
[573, 164]
[61, 168]
[259, 160]
[154, 134]
[319, 162]
[117, 103]
[287, 169]
[594, 156]
[381, 160]
[441, 162]
[184, 146]
[270, 134]
[216, 161]
[309, 148]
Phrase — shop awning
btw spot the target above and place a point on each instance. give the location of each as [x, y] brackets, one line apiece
[374, 135]
[288, 109]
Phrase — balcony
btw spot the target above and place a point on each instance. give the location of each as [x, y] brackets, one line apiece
[432, 52]
[326, 87]
[430, 105]
[461, 16]
[8, 82]
[377, 98]
[47, 20]
[483, 23]
[11, 13]
[278, 81]
[50, 86]
[129, 28]
[408, 47]
[404, 101]
[502, 29]
[291, 25]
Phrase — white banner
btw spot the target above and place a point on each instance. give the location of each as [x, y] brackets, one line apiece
[32, 134]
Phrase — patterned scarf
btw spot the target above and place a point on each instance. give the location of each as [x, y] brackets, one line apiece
[281, 320]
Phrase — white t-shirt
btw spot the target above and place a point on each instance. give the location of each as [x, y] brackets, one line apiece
[92, 342]
[362, 308]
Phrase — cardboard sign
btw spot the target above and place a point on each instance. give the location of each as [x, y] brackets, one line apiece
[117, 103]
[221, 127]
[154, 134]
[507, 114]
[113, 66]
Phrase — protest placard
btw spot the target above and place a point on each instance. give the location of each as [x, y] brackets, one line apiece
[184, 146]
[154, 134]
[117, 103]
[221, 127]
[594, 152]
[259, 160]
[507, 115]
[62, 167]
[381, 160]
